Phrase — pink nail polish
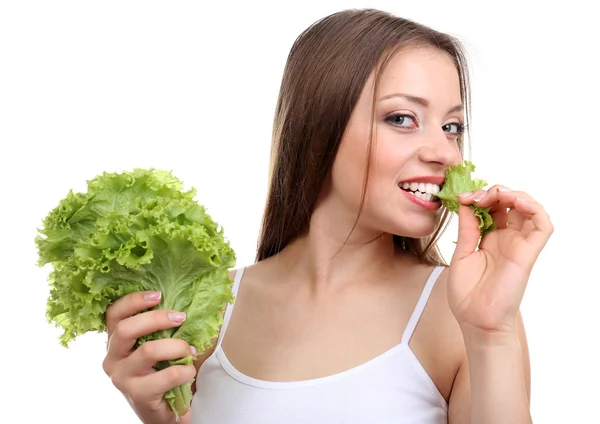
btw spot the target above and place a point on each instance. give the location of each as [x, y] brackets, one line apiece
[480, 196]
[152, 296]
[177, 317]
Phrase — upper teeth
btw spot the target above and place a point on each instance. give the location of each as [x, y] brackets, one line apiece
[422, 187]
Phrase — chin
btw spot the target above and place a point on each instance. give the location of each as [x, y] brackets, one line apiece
[415, 234]
[415, 228]
[402, 222]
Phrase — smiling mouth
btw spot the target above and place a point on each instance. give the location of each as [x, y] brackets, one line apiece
[423, 191]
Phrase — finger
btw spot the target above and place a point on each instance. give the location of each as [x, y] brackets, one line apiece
[130, 305]
[127, 331]
[502, 211]
[500, 197]
[501, 202]
[155, 385]
[468, 233]
[543, 227]
[148, 354]
[483, 198]
[471, 197]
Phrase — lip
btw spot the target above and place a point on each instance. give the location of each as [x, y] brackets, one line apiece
[432, 179]
[431, 206]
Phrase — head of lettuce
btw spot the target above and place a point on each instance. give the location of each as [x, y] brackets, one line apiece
[129, 232]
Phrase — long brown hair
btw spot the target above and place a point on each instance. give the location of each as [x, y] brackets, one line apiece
[325, 73]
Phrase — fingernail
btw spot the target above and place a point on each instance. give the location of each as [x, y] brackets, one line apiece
[177, 317]
[465, 195]
[480, 196]
[152, 296]
[504, 189]
[194, 351]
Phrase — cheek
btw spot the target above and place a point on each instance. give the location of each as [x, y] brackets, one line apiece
[388, 158]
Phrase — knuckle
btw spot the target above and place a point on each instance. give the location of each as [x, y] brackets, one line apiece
[179, 374]
[107, 366]
[174, 374]
[120, 330]
[148, 350]
[117, 381]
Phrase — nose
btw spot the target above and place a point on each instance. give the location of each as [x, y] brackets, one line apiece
[439, 148]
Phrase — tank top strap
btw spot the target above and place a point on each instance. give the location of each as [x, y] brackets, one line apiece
[418, 311]
[235, 288]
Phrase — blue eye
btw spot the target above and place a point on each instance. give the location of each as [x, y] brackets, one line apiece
[401, 120]
[454, 127]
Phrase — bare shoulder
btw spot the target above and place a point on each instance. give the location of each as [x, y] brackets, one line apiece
[259, 276]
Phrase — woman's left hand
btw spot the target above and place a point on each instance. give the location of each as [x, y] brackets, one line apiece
[486, 285]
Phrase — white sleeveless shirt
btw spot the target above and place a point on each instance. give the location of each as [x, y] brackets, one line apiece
[390, 388]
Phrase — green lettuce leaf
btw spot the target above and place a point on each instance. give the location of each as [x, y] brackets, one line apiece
[136, 231]
[458, 180]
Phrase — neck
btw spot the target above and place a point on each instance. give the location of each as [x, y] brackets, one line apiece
[328, 259]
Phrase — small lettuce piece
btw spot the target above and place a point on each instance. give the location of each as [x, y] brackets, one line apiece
[136, 231]
[458, 180]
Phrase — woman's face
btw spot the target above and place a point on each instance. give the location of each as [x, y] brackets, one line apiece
[418, 118]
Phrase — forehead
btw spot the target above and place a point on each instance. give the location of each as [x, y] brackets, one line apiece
[425, 72]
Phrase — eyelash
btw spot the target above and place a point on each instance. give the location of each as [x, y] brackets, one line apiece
[461, 127]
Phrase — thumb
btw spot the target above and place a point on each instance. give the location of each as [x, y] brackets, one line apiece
[468, 233]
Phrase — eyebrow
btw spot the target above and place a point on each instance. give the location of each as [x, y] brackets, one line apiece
[419, 100]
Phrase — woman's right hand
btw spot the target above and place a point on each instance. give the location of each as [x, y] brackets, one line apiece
[131, 371]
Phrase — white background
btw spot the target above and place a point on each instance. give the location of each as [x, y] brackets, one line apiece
[87, 87]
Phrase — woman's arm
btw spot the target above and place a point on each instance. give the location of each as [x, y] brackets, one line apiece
[493, 383]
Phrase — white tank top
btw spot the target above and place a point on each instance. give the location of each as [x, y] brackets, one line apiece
[390, 388]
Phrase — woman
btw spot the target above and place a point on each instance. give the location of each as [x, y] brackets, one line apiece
[371, 113]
